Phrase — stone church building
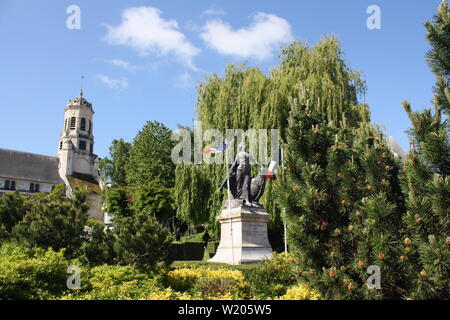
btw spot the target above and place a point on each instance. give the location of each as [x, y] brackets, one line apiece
[75, 164]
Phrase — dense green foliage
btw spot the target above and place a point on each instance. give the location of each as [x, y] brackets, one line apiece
[54, 221]
[150, 156]
[12, 210]
[426, 184]
[150, 197]
[98, 247]
[31, 274]
[141, 241]
[273, 277]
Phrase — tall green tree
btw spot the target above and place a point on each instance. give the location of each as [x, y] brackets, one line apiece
[150, 156]
[113, 168]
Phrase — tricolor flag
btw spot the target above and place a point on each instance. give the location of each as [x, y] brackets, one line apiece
[218, 149]
[269, 174]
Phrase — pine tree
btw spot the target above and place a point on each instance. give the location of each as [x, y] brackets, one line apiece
[426, 184]
[342, 199]
[425, 181]
[439, 56]
[54, 221]
[141, 241]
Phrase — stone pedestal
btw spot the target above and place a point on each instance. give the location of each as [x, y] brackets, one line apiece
[250, 240]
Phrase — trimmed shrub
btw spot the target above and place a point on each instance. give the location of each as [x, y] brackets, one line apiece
[300, 292]
[271, 278]
[187, 251]
[209, 281]
[212, 248]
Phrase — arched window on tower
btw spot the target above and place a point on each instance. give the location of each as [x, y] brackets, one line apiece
[92, 148]
[60, 145]
[90, 126]
[73, 123]
[83, 124]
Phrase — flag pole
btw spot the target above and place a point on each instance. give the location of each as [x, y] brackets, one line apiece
[229, 203]
[284, 209]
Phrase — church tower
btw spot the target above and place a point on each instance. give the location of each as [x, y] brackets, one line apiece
[77, 163]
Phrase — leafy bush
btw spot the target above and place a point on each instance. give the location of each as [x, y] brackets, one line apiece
[113, 283]
[207, 281]
[168, 294]
[31, 274]
[271, 277]
[300, 292]
[123, 283]
[210, 288]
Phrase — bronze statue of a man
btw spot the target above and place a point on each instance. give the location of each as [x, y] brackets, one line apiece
[242, 186]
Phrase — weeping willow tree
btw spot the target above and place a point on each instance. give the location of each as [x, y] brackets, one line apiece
[247, 98]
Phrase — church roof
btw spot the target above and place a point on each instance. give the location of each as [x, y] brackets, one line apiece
[29, 166]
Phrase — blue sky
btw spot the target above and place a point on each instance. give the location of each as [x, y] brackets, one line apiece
[142, 59]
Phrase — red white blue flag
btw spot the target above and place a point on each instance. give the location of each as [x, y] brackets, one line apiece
[221, 148]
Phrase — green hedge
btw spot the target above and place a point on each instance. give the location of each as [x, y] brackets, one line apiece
[187, 251]
[211, 249]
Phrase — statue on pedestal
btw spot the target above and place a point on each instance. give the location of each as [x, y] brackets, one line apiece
[249, 242]
[244, 189]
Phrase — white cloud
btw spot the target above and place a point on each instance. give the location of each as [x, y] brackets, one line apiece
[213, 11]
[121, 83]
[144, 30]
[258, 40]
[122, 64]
